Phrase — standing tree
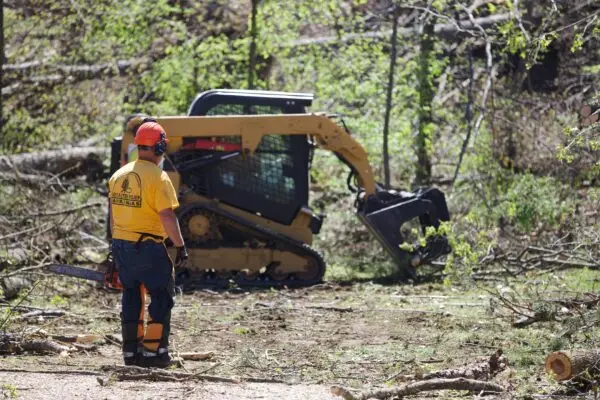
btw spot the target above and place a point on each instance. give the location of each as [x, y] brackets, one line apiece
[1, 58]
[252, 55]
[388, 102]
[424, 136]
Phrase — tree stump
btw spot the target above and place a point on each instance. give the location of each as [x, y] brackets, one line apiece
[590, 113]
[564, 365]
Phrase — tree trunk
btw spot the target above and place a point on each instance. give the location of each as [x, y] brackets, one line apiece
[566, 365]
[68, 162]
[388, 103]
[252, 55]
[468, 114]
[424, 136]
[1, 63]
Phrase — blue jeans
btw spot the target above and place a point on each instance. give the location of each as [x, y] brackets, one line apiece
[145, 264]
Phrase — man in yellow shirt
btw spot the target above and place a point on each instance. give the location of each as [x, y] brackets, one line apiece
[143, 200]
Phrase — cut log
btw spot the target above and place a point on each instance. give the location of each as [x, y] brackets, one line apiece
[484, 368]
[43, 346]
[87, 339]
[43, 313]
[565, 365]
[590, 113]
[12, 286]
[24, 179]
[585, 111]
[67, 162]
[16, 344]
[197, 356]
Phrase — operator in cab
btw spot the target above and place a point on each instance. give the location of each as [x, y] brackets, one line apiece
[142, 204]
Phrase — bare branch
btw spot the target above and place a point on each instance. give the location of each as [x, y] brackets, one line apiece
[417, 387]
[445, 30]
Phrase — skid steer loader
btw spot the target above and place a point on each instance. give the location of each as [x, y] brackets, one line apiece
[240, 163]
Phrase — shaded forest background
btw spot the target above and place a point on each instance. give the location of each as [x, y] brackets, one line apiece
[481, 98]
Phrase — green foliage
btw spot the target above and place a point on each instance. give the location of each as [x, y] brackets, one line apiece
[242, 330]
[130, 29]
[515, 40]
[9, 391]
[58, 301]
[525, 200]
[578, 41]
[192, 48]
[81, 196]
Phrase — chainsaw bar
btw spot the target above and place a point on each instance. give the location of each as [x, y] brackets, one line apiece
[78, 272]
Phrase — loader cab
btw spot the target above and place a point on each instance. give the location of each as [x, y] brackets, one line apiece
[273, 182]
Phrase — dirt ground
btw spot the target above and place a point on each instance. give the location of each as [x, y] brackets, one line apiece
[291, 343]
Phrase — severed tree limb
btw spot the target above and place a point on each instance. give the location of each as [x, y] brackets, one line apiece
[124, 373]
[50, 371]
[26, 269]
[66, 211]
[485, 368]
[79, 159]
[13, 344]
[43, 346]
[55, 74]
[119, 67]
[43, 313]
[417, 387]
[27, 179]
[331, 308]
[197, 356]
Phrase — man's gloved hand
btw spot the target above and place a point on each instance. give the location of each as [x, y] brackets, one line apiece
[182, 257]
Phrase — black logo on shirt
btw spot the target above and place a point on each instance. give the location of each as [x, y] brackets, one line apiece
[131, 191]
[125, 185]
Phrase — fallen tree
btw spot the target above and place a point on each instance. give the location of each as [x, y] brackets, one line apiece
[484, 368]
[67, 162]
[417, 387]
[16, 344]
[449, 30]
[473, 376]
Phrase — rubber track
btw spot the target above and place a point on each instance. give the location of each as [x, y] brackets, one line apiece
[282, 242]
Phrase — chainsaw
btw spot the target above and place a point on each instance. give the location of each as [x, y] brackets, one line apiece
[110, 277]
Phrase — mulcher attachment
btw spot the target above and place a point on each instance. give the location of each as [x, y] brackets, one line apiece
[385, 212]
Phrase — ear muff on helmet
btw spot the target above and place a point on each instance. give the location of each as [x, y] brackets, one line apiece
[160, 147]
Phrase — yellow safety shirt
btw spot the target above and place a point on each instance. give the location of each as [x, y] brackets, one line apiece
[138, 191]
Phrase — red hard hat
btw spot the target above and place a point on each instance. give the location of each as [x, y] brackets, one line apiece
[149, 133]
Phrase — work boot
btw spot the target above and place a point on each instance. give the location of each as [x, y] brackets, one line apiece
[162, 360]
[132, 360]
